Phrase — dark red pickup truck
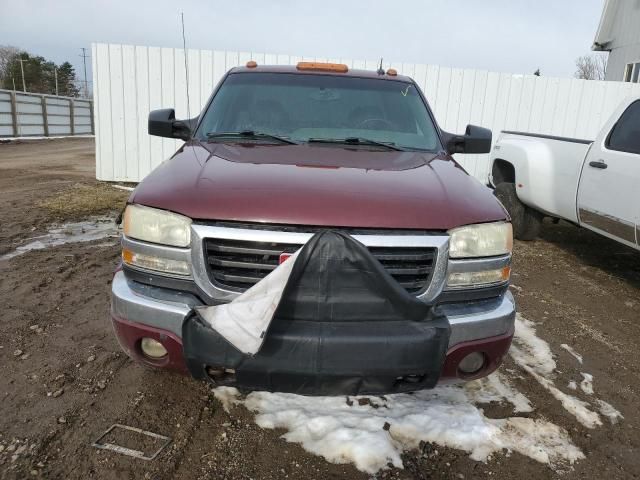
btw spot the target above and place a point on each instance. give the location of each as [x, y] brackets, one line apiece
[278, 155]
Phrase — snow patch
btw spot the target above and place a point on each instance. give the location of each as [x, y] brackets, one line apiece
[123, 187]
[571, 404]
[541, 440]
[586, 385]
[20, 139]
[609, 411]
[575, 354]
[529, 349]
[496, 388]
[373, 433]
[86, 231]
[227, 396]
[534, 356]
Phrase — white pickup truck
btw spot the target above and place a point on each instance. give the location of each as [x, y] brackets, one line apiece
[594, 184]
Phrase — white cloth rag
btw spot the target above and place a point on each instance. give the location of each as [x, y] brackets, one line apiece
[244, 321]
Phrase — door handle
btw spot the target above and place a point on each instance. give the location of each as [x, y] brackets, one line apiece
[599, 164]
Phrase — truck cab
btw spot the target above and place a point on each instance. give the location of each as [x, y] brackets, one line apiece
[609, 186]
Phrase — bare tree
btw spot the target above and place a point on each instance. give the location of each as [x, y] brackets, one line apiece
[7, 53]
[591, 67]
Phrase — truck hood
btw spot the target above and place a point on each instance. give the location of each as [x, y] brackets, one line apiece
[318, 185]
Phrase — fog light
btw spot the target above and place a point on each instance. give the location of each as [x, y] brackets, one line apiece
[153, 348]
[472, 363]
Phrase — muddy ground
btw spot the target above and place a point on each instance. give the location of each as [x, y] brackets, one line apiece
[63, 379]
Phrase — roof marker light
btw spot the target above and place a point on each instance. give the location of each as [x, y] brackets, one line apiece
[252, 64]
[392, 72]
[326, 67]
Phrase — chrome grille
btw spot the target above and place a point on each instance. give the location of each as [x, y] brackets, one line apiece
[236, 265]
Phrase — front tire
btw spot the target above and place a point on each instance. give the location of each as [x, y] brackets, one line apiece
[526, 221]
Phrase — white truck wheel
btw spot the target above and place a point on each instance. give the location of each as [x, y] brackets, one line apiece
[526, 221]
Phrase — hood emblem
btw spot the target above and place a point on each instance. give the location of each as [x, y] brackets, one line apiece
[283, 257]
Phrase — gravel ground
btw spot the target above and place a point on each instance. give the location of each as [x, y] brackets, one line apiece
[63, 379]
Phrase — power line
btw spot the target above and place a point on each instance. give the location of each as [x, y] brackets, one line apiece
[186, 64]
[84, 61]
[24, 85]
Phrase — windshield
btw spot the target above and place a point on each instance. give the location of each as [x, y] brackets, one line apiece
[320, 107]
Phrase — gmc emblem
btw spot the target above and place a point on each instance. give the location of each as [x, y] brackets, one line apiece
[283, 257]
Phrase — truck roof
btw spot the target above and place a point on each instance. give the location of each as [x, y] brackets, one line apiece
[294, 69]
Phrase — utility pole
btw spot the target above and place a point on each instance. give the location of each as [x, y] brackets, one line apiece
[84, 61]
[24, 85]
[55, 75]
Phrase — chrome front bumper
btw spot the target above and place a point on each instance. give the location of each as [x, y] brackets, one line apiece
[166, 309]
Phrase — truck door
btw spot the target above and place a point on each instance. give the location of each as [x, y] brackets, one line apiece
[610, 181]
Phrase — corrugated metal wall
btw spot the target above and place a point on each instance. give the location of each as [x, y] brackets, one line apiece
[621, 33]
[129, 81]
[34, 115]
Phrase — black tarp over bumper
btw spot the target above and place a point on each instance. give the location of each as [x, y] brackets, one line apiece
[343, 326]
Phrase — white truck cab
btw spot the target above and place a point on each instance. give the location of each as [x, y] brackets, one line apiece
[595, 184]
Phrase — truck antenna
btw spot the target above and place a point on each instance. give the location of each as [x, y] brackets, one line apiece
[186, 64]
[380, 69]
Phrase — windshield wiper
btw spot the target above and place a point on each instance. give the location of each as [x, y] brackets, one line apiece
[357, 141]
[250, 135]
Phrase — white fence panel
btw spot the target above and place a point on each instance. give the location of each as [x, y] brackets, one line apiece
[130, 81]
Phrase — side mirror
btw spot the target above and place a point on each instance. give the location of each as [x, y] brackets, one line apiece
[163, 123]
[474, 140]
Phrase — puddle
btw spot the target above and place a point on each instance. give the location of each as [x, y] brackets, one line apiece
[85, 231]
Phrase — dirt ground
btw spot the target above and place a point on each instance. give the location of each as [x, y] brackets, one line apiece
[64, 380]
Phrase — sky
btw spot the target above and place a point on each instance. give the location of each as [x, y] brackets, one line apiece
[517, 36]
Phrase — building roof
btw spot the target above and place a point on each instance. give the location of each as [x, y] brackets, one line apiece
[604, 34]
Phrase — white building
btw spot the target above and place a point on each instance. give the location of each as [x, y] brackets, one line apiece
[619, 34]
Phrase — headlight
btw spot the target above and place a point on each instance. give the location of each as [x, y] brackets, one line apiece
[157, 226]
[482, 240]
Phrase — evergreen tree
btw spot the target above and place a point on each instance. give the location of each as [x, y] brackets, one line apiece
[39, 74]
[34, 73]
[67, 81]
